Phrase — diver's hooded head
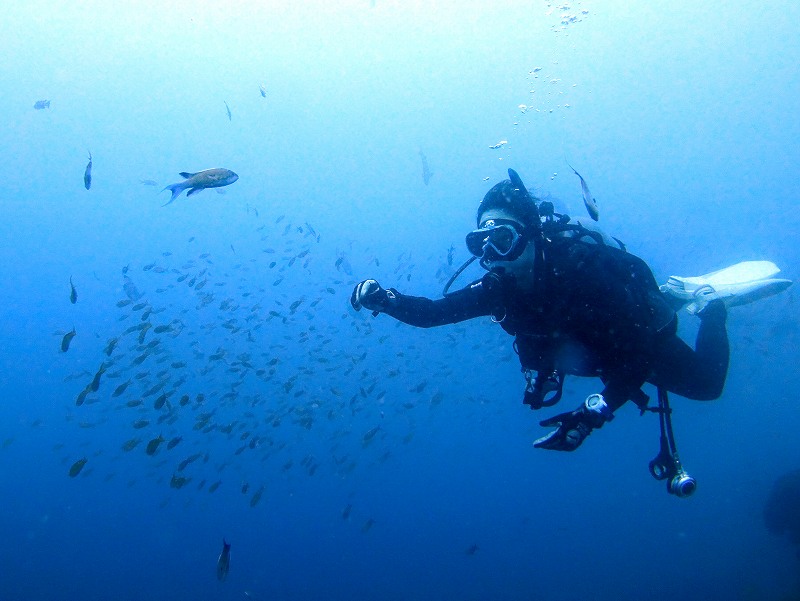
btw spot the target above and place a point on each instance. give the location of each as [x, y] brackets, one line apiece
[512, 196]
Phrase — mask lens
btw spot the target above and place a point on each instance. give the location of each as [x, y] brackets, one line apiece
[476, 241]
[495, 241]
[503, 239]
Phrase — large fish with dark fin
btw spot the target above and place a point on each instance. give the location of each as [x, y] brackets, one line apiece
[195, 182]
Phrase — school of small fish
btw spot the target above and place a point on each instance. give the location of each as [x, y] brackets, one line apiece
[220, 351]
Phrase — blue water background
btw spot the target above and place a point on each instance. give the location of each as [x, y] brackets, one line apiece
[682, 117]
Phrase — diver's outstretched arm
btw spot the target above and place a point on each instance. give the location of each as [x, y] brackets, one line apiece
[468, 303]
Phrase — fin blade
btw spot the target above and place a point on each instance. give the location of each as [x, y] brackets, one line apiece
[741, 273]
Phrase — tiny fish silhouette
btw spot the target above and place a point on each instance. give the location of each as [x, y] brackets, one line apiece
[87, 175]
[224, 561]
[426, 172]
[65, 341]
[153, 445]
[95, 383]
[77, 467]
[589, 202]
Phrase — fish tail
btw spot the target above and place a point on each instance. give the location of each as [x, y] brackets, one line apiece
[571, 167]
[176, 189]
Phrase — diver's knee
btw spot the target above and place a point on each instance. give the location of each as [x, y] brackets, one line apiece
[710, 392]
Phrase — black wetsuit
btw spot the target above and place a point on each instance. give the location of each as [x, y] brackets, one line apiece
[595, 311]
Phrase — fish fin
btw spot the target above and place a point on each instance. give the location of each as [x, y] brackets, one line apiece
[186, 174]
[193, 191]
[176, 189]
[575, 172]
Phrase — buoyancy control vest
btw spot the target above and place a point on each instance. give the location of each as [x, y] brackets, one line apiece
[594, 312]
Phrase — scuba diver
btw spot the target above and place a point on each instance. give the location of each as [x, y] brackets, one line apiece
[579, 304]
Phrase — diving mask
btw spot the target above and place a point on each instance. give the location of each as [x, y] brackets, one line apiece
[497, 240]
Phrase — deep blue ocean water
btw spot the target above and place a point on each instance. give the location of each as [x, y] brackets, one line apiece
[351, 457]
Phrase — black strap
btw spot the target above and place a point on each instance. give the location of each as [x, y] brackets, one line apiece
[538, 389]
[667, 463]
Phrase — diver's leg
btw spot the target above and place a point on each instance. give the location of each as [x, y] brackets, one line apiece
[700, 373]
[712, 344]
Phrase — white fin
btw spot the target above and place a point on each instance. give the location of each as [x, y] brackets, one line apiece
[736, 285]
[741, 273]
[734, 295]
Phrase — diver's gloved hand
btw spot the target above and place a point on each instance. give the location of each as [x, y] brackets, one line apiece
[370, 295]
[575, 426]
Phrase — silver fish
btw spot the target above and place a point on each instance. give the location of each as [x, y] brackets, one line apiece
[227, 110]
[41, 104]
[263, 91]
[195, 182]
[588, 201]
[224, 561]
[87, 175]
